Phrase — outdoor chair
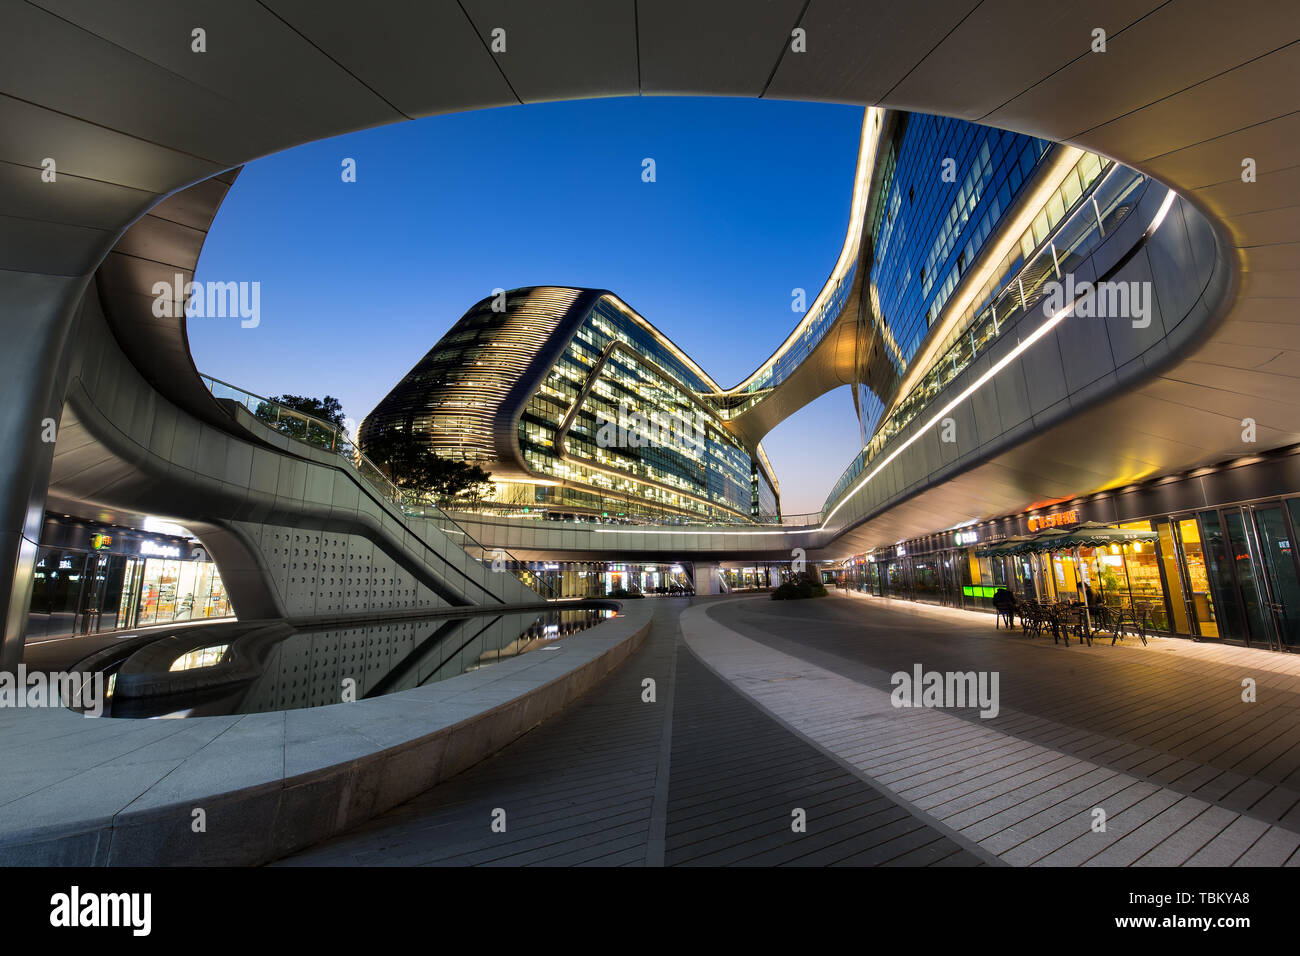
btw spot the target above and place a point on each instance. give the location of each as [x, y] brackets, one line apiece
[1034, 617]
[1004, 603]
[1071, 618]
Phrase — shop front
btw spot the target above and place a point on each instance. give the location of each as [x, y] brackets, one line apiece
[1208, 555]
[594, 579]
[91, 577]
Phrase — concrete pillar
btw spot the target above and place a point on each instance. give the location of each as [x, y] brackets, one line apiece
[708, 578]
[36, 318]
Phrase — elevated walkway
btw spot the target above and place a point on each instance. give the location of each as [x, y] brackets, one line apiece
[296, 530]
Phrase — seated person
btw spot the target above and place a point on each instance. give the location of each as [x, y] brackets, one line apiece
[1093, 600]
[1005, 604]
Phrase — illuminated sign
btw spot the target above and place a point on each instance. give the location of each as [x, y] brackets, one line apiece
[967, 537]
[1061, 518]
[160, 550]
[99, 542]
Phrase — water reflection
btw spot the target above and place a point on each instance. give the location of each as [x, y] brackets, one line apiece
[313, 668]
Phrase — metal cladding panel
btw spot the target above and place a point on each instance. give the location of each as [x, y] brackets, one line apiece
[567, 318]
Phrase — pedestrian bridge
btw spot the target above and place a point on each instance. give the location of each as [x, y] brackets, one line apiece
[1054, 405]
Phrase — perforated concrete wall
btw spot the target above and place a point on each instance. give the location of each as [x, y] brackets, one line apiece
[323, 572]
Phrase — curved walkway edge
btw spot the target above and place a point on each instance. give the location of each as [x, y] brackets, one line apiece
[114, 792]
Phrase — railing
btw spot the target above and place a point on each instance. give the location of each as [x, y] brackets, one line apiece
[330, 437]
[1095, 215]
[486, 510]
[288, 421]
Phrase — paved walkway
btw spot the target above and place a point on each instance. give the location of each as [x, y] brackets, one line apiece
[700, 776]
[1158, 738]
[764, 708]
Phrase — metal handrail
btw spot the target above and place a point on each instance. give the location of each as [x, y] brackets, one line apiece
[329, 437]
[993, 321]
[485, 511]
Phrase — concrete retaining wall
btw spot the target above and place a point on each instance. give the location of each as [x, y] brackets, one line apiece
[120, 792]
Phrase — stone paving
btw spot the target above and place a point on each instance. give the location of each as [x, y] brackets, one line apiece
[1158, 738]
[698, 777]
[765, 708]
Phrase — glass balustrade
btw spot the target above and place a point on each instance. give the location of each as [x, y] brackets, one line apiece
[1076, 235]
[1093, 218]
[328, 436]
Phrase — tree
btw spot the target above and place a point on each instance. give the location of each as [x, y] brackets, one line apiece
[412, 466]
[328, 409]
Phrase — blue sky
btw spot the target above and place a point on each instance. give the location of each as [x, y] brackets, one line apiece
[359, 280]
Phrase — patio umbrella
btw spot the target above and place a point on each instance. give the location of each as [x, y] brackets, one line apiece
[1092, 534]
[1005, 546]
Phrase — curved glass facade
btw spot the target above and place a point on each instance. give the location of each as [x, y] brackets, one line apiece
[621, 422]
[1060, 237]
[944, 187]
[615, 371]
[450, 397]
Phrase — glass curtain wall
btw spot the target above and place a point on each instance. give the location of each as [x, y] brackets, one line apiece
[614, 371]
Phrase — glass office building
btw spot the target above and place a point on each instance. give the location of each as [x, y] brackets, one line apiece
[577, 404]
[941, 189]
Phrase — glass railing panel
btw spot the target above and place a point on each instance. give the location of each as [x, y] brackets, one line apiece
[321, 435]
[326, 435]
[1117, 195]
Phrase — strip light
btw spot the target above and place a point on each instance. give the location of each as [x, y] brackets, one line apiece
[938, 416]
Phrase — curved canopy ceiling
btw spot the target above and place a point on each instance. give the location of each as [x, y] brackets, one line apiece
[1186, 90]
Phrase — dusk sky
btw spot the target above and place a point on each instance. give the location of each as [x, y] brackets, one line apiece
[359, 280]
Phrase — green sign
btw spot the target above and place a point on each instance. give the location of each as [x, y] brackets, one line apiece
[978, 590]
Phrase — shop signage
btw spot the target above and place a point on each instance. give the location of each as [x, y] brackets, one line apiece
[1058, 520]
[98, 542]
[967, 537]
[160, 550]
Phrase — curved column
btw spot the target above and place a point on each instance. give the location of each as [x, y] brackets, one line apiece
[36, 320]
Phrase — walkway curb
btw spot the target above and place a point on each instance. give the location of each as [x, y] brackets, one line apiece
[166, 797]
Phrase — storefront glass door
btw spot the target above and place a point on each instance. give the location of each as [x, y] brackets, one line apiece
[56, 592]
[1178, 598]
[1282, 585]
[1218, 564]
[1245, 558]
